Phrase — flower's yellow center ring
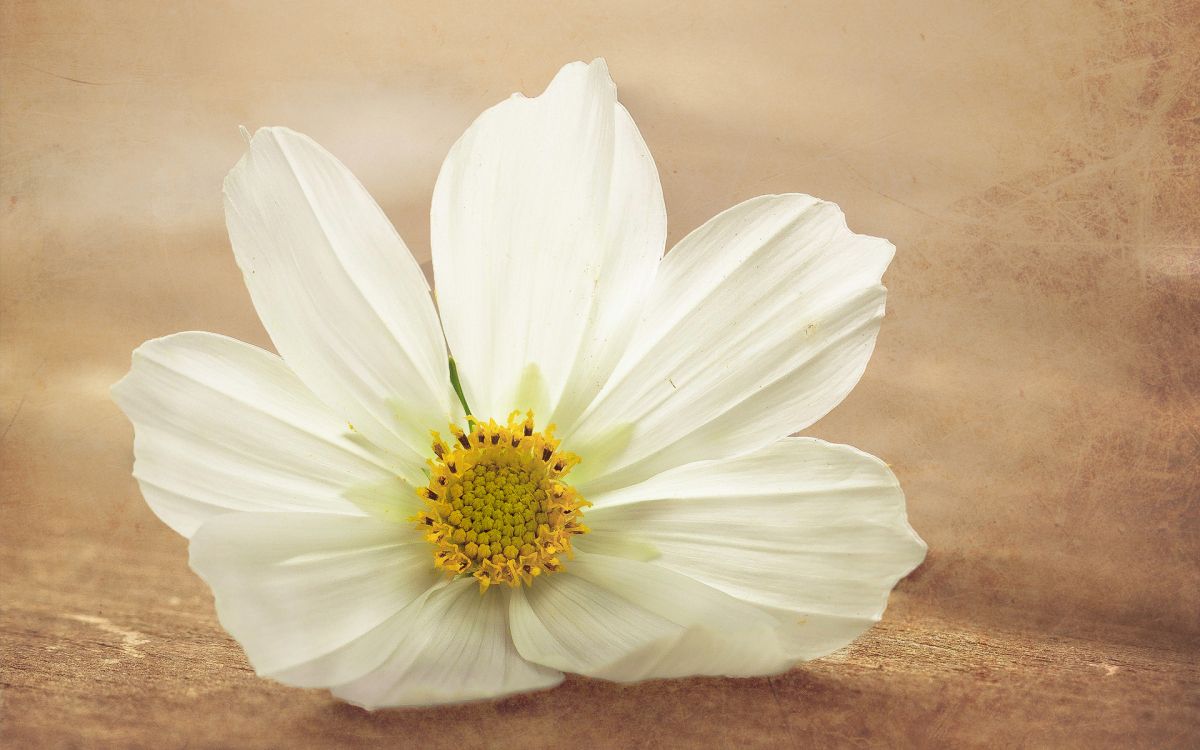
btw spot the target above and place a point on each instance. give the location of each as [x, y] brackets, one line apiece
[497, 505]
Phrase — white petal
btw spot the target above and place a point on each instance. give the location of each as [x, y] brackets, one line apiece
[456, 648]
[345, 303]
[295, 587]
[358, 657]
[815, 529]
[224, 426]
[626, 620]
[759, 323]
[548, 223]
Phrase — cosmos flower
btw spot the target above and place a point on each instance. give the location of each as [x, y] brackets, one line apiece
[599, 482]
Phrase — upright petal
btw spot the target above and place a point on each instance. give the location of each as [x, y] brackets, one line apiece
[223, 426]
[626, 620]
[759, 323]
[547, 226]
[345, 303]
[803, 526]
[299, 588]
[456, 648]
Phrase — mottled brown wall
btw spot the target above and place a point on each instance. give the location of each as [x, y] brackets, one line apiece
[1037, 380]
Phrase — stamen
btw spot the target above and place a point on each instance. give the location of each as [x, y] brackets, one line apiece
[497, 507]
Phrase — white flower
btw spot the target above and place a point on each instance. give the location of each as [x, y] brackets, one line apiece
[676, 530]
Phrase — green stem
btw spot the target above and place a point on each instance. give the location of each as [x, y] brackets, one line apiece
[454, 381]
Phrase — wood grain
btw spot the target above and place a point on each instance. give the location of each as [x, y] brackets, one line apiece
[100, 653]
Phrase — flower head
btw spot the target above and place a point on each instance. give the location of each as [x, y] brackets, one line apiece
[406, 529]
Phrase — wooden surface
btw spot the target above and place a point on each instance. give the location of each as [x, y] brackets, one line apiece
[1036, 385]
[99, 653]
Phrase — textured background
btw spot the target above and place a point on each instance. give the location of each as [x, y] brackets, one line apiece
[1036, 384]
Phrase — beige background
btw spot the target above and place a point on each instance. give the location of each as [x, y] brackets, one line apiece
[1036, 384]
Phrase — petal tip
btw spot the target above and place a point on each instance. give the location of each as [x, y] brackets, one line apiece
[118, 390]
[579, 73]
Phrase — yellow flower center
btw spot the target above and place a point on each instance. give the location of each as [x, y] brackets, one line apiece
[497, 505]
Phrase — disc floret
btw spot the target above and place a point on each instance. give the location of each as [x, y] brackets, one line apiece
[497, 507]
